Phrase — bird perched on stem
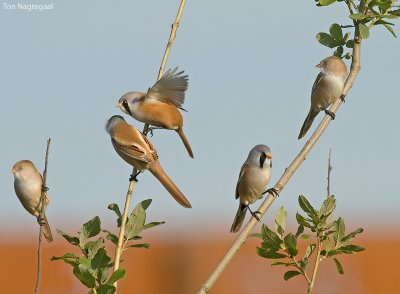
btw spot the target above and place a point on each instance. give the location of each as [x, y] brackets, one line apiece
[160, 106]
[136, 149]
[28, 185]
[253, 180]
[327, 88]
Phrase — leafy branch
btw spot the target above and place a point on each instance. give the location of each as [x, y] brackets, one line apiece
[329, 240]
[92, 267]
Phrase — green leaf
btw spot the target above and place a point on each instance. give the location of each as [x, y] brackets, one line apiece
[302, 221]
[339, 231]
[71, 239]
[381, 21]
[145, 203]
[105, 289]
[255, 235]
[290, 274]
[326, 40]
[83, 274]
[357, 16]
[306, 206]
[270, 238]
[93, 246]
[300, 231]
[338, 53]
[152, 224]
[100, 260]
[350, 44]
[309, 251]
[338, 266]
[326, 2]
[269, 254]
[117, 275]
[364, 31]
[88, 230]
[347, 55]
[307, 236]
[280, 222]
[66, 258]
[329, 204]
[136, 221]
[390, 29]
[282, 263]
[348, 238]
[291, 244]
[114, 207]
[110, 236]
[350, 249]
[143, 245]
[336, 32]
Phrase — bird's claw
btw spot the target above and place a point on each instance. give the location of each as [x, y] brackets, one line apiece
[272, 191]
[133, 177]
[342, 98]
[45, 188]
[254, 213]
[330, 113]
[41, 221]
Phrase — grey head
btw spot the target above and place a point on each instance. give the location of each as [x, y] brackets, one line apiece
[127, 101]
[112, 121]
[260, 155]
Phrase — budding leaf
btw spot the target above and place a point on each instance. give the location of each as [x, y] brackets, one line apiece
[290, 274]
[338, 266]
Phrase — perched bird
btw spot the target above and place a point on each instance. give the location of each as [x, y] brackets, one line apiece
[327, 88]
[253, 180]
[28, 185]
[138, 151]
[159, 106]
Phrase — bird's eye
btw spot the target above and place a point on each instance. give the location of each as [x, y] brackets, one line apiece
[125, 102]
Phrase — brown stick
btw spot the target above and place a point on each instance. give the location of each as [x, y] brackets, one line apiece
[328, 187]
[171, 39]
[39, 260]
[289, 171]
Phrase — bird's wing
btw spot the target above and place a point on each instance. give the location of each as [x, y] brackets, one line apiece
[170, 88]
[242, 171]
[134, 151]
[317, 80]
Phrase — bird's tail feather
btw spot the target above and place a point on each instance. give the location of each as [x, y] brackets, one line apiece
[185, 142]
[46, 230]
[307, 123]
[239, 218]
[159, 173]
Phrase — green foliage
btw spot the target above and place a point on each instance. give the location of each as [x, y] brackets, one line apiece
[92, 267]
[364, 15]
[328, 237]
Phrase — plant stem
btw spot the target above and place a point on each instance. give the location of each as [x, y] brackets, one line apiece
[317, 261]
[328, 188]
[124, 217]
[289, 171]
[39, 259]
[171, 39]
[301, 270]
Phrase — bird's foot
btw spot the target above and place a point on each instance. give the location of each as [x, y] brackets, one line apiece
[254, 213]
[150, 131]
[133, 177]
[330, 113]
[45, 188]
[41, 221]
[342, 98]
[272, 191]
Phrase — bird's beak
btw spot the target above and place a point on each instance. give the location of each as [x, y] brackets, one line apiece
[13, 170]
[119, 105]
[318, 65]
[268, 155]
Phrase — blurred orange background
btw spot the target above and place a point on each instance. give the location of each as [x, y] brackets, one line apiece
[182, 264]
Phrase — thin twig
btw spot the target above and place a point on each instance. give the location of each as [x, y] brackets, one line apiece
[289, 171]
[171, 39]
[42, 196]
[120, 246]
[328, 187]
[317, 261]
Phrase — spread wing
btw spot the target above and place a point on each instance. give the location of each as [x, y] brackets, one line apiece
[170, 88]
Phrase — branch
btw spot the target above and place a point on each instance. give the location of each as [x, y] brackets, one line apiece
[171, 39]
[121, 244]
[289, 171]
[328, 187]
[39, 260]
[317, 261]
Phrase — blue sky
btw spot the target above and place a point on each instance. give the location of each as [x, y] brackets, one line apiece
[251, 69]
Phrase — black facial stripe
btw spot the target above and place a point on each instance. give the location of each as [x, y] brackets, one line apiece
[126, 106]
[262, 159]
